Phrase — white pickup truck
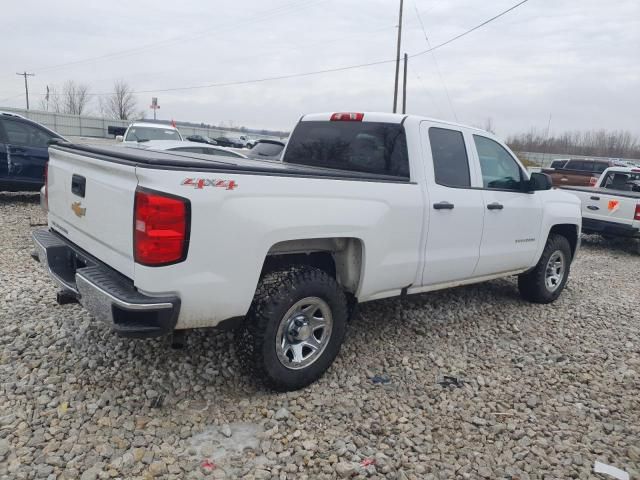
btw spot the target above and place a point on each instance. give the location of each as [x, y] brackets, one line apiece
[363, 206]
[612, 207]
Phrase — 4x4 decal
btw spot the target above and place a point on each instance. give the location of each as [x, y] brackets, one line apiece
[200, 183]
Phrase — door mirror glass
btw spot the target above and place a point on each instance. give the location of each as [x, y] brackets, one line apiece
[539, 181]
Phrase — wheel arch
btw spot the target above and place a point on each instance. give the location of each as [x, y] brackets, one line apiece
[341, 257]
[570, 232]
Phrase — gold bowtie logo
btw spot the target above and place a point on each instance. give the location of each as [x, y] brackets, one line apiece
[78, 210]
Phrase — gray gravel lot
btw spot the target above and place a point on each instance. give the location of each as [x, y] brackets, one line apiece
[546, 390]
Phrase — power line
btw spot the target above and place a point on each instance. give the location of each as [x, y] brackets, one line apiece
[322, 71]
[260, 16]
[435, 61]
[471, 29]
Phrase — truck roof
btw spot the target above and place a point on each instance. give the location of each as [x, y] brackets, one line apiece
[622, 169]
[152, 125]
[386, 118]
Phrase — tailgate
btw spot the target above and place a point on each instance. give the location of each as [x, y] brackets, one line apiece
[606, 205]
[91, 204]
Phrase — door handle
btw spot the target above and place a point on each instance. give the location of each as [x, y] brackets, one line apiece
[495, 206]
[595, 198]
[593, 207]
[443, 206]
[17, 150]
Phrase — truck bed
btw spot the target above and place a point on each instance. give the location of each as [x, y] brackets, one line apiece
[144, 158]
[604, 191]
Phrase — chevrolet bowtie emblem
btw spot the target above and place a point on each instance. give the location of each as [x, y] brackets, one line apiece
[78, 210]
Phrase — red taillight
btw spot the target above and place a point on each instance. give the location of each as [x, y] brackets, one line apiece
[161, 228]
[46, 185]
[636, 215]
[347, 117]
[593, 181]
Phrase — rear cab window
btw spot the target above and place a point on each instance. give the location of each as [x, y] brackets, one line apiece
[366, 147]
[622, 181]
[577, 165]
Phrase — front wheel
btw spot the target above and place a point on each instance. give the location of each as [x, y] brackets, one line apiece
[546, 281]
[295, 326]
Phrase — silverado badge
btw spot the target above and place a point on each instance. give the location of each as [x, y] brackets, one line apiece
[78, 210]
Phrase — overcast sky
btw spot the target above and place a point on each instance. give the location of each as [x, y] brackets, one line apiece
[578, 61]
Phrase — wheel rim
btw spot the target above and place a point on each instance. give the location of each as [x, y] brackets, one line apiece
[554, 273]
[304, 333]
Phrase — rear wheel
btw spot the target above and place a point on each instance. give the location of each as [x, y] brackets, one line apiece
[295, 326]
[546, 281]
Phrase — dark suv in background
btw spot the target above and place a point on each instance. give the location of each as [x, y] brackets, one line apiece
[23, 152]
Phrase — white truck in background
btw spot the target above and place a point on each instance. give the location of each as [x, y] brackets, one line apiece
[363, 206]
[612, 207]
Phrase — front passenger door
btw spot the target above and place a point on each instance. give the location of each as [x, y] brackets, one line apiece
[513, 217]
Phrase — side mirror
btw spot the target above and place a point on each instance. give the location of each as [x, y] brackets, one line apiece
[539, 181]
[119, 138]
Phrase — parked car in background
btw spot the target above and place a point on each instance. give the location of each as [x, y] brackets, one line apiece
[189, 147]
[201, 139]
[364, 206]
[612, 207]
[266, 150]
[228, 142]
[143, 132]
[577, 172]
[23, 152]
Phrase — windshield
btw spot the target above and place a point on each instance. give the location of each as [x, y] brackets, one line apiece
[144, 134]
[267, 149]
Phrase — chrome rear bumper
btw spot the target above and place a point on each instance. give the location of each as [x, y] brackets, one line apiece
[107, 295]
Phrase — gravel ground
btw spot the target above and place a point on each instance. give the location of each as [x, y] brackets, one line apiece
[539, 391]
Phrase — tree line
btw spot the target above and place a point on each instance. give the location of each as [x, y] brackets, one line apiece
[591, 143]
[76, 99]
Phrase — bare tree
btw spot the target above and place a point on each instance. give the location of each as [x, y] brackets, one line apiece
[602, 143]
[53, 103]
[488, 125]
[75, 97]
[121, 104]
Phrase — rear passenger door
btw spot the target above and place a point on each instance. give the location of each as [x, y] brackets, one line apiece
[513, 216]
[27, 151]
[454, 210]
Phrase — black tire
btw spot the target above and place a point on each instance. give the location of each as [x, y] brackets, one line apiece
[532, 285]
[277, 293]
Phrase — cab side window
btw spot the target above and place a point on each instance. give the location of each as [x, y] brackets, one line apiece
[499, 169]
[20, 133]
[450, 160]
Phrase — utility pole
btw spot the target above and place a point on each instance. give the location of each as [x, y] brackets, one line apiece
[395, 90]
[26, 84]
[404, 85]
